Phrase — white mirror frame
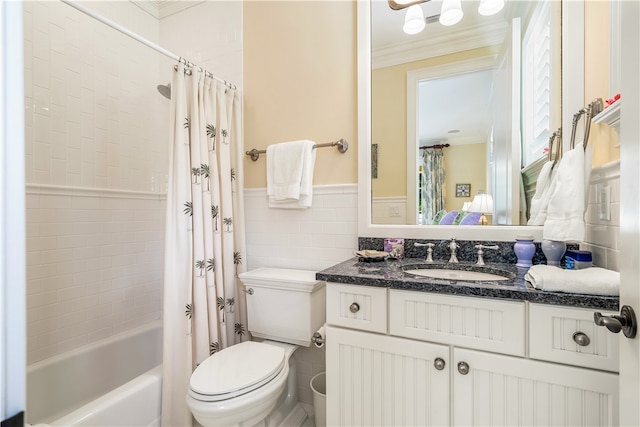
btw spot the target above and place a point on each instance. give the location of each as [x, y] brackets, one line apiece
[572, 101]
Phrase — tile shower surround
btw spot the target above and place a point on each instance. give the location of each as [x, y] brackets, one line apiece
[95, 167]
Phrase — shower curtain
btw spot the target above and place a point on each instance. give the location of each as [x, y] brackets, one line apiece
[204, 309]
[432, 195]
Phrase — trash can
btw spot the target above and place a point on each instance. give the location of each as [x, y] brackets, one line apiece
[319, 387]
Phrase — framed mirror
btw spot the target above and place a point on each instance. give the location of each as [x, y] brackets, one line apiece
[378, 102]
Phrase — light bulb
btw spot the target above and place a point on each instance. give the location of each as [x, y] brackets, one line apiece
[451, 12]
[490, 7]
[414, 20]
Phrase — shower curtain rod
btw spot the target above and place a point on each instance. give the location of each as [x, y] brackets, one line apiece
[141, 39]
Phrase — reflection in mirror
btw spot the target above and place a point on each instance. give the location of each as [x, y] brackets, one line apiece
[460, 85]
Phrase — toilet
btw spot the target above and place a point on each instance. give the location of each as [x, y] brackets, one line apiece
[254, 383]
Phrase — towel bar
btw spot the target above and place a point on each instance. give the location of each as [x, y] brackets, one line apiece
[342, 145]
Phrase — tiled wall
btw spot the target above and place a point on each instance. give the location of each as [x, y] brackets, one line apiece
[601, 236]
[96, 162]
[94, 266]
[310, 239]
[92, 113]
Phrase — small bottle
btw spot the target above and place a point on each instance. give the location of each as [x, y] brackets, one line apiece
[553, 250]
[525, 249]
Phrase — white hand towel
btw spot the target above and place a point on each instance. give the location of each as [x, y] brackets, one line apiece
[565, 214]
[290, 174]
[591, 281]
[540, 200]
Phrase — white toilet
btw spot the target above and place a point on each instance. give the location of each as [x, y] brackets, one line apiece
[254, 383]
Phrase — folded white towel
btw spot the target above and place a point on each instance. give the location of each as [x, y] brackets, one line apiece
[290, 174]
[591, 281]
[565, 214]
[544, 189]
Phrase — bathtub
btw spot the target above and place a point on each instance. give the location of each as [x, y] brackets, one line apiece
[114, 382]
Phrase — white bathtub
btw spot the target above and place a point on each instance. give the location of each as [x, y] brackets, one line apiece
[115, 382]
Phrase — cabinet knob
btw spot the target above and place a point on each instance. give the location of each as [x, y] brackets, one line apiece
[463, 368]
[354, 307]
[581, 339]
[439, 364]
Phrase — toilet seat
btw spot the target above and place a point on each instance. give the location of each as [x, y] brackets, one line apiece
[236, 370]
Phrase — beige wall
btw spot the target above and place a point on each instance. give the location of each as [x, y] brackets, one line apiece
[389, 118]
[464, 164]
[300, 82]
[603, 139]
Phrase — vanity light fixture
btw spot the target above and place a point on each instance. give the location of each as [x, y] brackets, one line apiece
[451, 12]
[490, 7]
[414, 20]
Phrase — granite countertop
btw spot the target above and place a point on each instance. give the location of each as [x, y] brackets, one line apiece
[392, 274]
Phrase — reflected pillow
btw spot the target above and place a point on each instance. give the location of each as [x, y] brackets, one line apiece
[438, 217]
[472, 218]
[449, 218]
[459, 217]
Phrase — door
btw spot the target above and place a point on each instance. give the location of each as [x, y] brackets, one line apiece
[12, 219]
[630, 208]
[381, 380]
[493, 389]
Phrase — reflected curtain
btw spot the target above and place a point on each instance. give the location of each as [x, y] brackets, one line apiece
[204, 311]
[432, 196]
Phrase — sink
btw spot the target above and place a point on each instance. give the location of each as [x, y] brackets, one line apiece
[443, 273]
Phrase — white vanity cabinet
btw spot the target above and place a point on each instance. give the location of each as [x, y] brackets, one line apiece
[458, 360]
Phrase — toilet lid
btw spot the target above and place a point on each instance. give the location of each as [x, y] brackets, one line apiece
[239, 368]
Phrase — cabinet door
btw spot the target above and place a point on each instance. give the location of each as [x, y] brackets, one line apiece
[386, 381]
[505, 390]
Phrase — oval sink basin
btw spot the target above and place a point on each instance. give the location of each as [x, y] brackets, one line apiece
[443, 273]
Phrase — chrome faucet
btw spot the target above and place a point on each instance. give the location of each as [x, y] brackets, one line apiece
[453, 246]
[481, 252]
[429, 257]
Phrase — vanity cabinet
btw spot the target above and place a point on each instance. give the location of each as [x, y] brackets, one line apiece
[458, 360]
[382, 380]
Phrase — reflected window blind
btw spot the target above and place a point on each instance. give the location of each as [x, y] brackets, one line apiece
[536, 66]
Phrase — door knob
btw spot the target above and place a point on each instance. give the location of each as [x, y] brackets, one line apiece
[354, 307]
[439, 363]
[625, 322]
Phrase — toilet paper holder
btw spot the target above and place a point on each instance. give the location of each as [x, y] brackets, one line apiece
[318, 338]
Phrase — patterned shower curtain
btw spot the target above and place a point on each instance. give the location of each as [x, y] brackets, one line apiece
[433, 191]
[204, 309]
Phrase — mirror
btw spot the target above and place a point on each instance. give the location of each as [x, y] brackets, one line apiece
[452, 89]
[572, 99]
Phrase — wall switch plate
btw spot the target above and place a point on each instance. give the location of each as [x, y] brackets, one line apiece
[394, 210]
[604, 203]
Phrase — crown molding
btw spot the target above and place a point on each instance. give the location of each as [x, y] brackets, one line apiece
[443, 44]
[160, 9]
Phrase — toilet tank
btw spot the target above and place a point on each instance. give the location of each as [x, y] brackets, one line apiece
[283, 304]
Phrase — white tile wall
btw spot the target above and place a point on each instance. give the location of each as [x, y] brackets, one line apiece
[93, 116]
[208, 34]
[309, 239]
[601, 236]
[94, 266]
[96, 160]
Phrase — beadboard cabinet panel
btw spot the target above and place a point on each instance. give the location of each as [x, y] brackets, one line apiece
[376, 380]
[505, 390]
[552, 331]
[480, 323]
[357, 307]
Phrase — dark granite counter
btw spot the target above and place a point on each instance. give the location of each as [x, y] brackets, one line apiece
[392, 274]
